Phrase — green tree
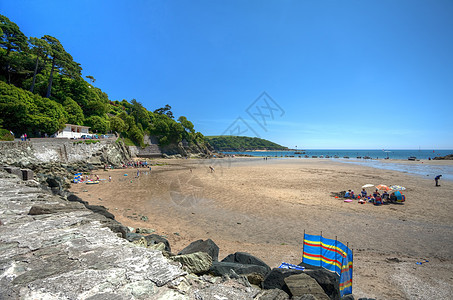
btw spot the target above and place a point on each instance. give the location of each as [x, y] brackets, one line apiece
[91, 78]
[117, 124]
[22, 111]
[61, 60]
[97, 124]
[11, 39]
[166, 110]
[140, 114]
[75, 113]
[40, 48]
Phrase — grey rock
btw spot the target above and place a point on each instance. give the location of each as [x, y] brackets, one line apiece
[276, 279]
[154, 239]
[274, 294]
[302, 284]
[197, 263]
[207, 246]
[46, 208]
[224, 268]
[99, 209]
[144, 230]
[329, 281]
[246, 259]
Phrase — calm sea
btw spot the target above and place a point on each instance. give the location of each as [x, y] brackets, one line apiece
[376, 161]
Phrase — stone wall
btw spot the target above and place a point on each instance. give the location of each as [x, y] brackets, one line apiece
[63, 151]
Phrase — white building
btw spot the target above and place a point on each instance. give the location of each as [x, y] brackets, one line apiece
[72, 131]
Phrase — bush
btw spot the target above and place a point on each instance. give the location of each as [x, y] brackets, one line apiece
[5, 135]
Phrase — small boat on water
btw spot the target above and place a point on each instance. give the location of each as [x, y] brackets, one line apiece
[306, 156]
[366, 157]
[359, 157]
[322, 156]
[314, 156]
[336, 156]
[346, 157]
[327, 156]
[413, 158]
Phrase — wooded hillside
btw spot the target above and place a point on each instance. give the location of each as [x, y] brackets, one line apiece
[241, 143]
[42, 88]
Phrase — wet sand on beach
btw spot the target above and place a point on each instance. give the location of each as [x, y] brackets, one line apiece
[263, 207]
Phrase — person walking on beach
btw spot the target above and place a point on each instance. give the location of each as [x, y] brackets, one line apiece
[212, 169]
[110, 178]
[436, 179]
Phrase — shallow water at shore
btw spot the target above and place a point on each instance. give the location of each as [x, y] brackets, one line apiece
[428, 171]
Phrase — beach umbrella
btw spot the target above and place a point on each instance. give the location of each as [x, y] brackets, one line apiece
[383, 187]
[397, 188]
[367, 185]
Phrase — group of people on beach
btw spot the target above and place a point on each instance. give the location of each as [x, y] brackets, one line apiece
[136, 164]
[376, 198]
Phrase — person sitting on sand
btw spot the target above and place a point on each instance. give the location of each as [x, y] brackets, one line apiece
[378, 200]
[385, 196]
[352, 194]
[376, 193]
[362, 200]
[364, 194]
[347, 194]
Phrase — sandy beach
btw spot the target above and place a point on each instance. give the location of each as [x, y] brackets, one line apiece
[263, 207]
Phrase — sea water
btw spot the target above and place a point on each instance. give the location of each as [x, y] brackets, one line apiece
[375, 154]
[378, 159]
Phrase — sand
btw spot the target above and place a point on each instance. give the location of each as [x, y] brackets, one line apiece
[263, 207]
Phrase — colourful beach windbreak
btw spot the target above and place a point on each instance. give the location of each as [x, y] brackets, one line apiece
[331, 255]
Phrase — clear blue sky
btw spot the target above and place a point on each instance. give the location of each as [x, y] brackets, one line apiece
[344, 74]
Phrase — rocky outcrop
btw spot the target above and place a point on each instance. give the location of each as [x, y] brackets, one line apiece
[186, 149]
[52, 248]
[177, 150]
[446, 157]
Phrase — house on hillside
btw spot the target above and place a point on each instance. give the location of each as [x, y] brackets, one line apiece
[72, 132]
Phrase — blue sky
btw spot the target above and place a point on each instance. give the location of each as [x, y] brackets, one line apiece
[339, 74]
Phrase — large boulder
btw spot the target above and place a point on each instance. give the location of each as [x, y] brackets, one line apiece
[197, 263]
[102, 210]
[207, 246]
[225, 268]
[329, 281]
[274, 294]
[276, 279]
[302, 284]
[74, 198]
[246, 259]
[154, 239]
[52, 208]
